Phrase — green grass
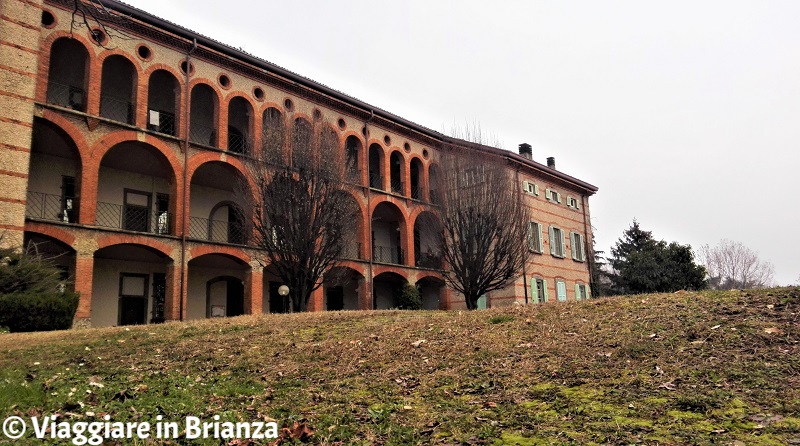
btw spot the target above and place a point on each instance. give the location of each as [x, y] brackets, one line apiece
[684, 368]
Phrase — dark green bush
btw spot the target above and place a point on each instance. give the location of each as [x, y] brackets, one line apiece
[408, 298]
[38, 311]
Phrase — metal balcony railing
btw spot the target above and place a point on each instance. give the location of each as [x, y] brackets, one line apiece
[416, 192]
[116, 109]
[161, 121]
[133, 218]
[238, 143]
[429, 260]
[51, 207]
[387, 254]
[66, 95]
[375, 180]
[203, 135]
[217, 230]
[352, 251]
[397, 186]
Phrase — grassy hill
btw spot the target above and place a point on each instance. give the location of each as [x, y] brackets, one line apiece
[683, 368]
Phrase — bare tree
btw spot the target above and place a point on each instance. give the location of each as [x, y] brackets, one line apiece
[483, 222]
[302, 214]
[732, 265]
[95, 17]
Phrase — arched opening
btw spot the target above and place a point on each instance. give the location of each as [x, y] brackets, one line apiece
[117, 89]
[427, 229]
[386, 288]
[240, 118]
[216, 211]
[430, 290]
[387, 224]
[203, 126]
[67, 76]
[129, 285]
[396, 168]
[415, 173]
[274, 136]
[134, 189]
[375, 163]
[353, 249]
[301, 141]
[215, 286]
[435, 184]
[54, 175]
[56, 253]
[162, 102]
[352, 147]
[342, 288]
[224, 297]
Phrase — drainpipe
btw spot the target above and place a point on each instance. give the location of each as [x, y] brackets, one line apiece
[586, 249]
[184, 214]
[371, 248]
[525, 255]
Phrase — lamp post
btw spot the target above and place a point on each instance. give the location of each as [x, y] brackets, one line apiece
[283, 291]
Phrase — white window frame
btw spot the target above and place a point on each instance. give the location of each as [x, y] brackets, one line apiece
[535, 242]
[573, 203]
[581, 291]
[577, 246]
[557, 248]
[561, 290]
[535, 290]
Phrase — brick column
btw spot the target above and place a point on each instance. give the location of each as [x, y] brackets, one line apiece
[253, 291]
[317, 300]
[84, 271]
[172, 298]
[364, 295]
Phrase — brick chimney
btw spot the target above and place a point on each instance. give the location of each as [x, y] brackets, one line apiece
[526, 150]
[551, 162]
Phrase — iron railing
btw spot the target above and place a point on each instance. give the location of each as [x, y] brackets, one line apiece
[51, 207]
[416, 192]
[161, 121]
[66, 95]
[397, 186]
[238, 143]
[428, 260]
[375, 180]
[133, 218]
[352, 251]
[387, 254]
[217, 230]
[206, 136]
[117, 109]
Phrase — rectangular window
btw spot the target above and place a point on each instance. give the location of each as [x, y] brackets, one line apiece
[556, 242]
[552, 195]
[581, 293]
[530, 188]
[578, 252]
[572, 202]
[538, 290]
[534, 237]
[561, 290]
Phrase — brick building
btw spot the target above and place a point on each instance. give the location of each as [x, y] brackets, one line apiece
[119, 158]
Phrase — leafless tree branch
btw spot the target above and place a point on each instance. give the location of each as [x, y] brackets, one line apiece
[732, 265]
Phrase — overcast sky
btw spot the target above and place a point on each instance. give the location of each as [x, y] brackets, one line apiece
[686, 114]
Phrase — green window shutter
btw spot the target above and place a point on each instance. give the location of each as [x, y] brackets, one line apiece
[588, 292]
[534, 291]
[572, 245]
[544, 285]
[541, 242]
[536, 189]
[552, 242]
[525, 186]
[577, 291]
[581, 244]
[530, 236]
[482, 302]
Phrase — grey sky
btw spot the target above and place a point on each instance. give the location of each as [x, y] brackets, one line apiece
[686, 114]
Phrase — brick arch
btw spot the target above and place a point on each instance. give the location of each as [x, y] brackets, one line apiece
[415, 213]
[77, 136]
[52, 232]
[171, 70]
[348, 133]
[108, 142]
[269, 104]
[429, 275]
[399, 203]
[240, 94]
[101, 58]
[130, 239]
[377, 270]
[205, 81]
[207, 157]
[228, 251]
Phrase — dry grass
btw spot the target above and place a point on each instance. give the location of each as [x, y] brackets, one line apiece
[686, 368]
